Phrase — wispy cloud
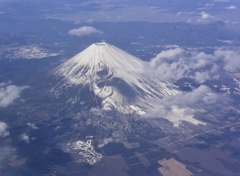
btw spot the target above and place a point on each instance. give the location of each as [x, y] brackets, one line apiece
[84, 31]
[5, 148]
[3, 129]
[205, 15]
[24, 137]
[221, 0]
[9, 93]
[209, 4]
[231, 7]
[33, 126]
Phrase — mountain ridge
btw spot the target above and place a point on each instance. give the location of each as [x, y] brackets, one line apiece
[115, 76]
[119, 80]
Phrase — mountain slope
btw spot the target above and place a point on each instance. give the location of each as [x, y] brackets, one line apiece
[115, 77]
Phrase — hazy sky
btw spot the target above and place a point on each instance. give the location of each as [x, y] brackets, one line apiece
[203, 11]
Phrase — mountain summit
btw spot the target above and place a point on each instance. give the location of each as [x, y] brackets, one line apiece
[115, 77]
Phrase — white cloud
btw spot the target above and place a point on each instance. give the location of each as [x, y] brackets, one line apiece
[104, 142]
[33, 126]
[24, 137]
[232, 7]
[167, 54]
[3, 129]
[205, 15]
[9, 93]
[177, 63]
[201, 95]
[84, 31]
[177, 115]
[201, 77]
[180, 107]
[231, 59]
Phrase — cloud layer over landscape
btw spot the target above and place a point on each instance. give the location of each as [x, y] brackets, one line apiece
[177, 63]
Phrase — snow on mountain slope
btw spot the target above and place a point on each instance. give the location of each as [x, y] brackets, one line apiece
[116, 77]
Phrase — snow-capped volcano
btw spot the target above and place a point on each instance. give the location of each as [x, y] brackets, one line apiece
[116, 77]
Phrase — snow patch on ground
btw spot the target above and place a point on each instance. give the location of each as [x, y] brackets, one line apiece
[87, 151]
[26, 52]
